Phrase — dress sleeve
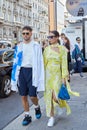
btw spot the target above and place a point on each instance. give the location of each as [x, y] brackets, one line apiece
[45, 57]
[64, 65]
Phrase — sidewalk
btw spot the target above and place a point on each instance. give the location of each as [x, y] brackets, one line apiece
[76, 121]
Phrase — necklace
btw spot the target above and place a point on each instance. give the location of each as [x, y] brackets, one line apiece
[55, 45]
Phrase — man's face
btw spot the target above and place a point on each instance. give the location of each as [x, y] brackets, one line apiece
[62, 37]
[26, 35]
[78, 41]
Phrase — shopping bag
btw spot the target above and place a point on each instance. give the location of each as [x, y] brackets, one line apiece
[63, 93]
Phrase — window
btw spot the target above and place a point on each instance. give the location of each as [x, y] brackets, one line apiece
[9, 31]
[15, 18]
[4, 31]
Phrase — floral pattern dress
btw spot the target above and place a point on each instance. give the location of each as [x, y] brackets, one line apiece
[55, 69]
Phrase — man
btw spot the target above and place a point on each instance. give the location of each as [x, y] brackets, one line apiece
[28, 72]
[77, 56]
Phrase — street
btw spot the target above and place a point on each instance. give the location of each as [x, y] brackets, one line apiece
[10, 108]
[76, 121]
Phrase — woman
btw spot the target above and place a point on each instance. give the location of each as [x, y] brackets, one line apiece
[67, 45]
[56, 73]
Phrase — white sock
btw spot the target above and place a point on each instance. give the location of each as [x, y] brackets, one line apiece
[36, 106]
[26, 112]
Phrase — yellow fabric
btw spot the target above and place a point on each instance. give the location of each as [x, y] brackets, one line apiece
[70, 91]
[62, 104]
[53, 73]
[55, 69]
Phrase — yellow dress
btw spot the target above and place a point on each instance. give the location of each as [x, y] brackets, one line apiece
[55, 69]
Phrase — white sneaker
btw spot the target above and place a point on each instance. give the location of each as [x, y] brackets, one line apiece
[51, 122]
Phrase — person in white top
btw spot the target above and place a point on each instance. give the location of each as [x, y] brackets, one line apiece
[62, 36]
[28, 72]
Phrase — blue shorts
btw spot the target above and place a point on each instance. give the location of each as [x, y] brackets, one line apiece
[25, 83]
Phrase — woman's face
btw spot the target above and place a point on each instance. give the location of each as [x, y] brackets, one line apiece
[52, 38]
[65, 40]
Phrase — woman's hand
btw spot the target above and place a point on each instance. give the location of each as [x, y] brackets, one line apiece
[63, 81]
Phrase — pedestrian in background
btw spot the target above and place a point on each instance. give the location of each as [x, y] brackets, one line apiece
[44, 44]
[56, 73]
[62, 36]
[77, 57]
[67, 45]
[28, 71]
[3, 46]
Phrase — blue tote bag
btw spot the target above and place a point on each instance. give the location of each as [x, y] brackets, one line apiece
[63, 93]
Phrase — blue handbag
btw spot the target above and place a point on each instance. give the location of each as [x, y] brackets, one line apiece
[63, 93]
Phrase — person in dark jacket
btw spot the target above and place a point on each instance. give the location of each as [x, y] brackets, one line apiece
[67, 45]
[77, 56]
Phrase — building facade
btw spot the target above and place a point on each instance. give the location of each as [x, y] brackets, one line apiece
[14, 14]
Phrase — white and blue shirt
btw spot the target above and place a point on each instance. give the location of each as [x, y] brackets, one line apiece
[37, 65]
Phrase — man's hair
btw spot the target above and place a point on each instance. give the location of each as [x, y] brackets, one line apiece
[27, 28]
[78, 38]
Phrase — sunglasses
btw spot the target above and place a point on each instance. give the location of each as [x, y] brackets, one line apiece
[25, 33]
[51, 37]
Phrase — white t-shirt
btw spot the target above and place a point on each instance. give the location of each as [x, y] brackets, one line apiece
[27, 55]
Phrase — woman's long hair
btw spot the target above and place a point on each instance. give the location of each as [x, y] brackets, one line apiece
[67, 44]
[68, 41]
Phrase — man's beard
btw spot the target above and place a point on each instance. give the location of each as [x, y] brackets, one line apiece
[28, 39]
